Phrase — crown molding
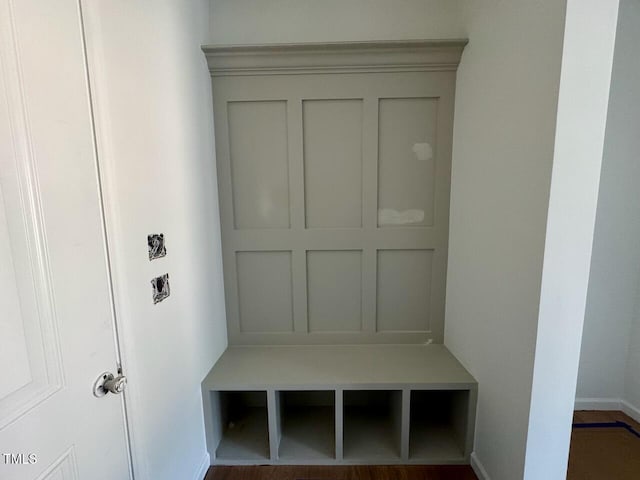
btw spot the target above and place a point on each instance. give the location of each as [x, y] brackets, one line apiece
[335, 57]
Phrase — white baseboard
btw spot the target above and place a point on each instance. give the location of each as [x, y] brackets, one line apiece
[201, 471]
[631, 410]
[478, 468]
[598, 404]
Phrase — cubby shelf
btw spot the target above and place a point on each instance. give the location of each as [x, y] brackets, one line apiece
[307, 421]
[437, 426]
[351, 404]
[372, 424]
[245, 428]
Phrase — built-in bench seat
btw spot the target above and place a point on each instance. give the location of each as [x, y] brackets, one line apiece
[339, 404]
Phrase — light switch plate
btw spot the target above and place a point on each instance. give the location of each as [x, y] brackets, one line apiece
[161, 288]
[157, 249]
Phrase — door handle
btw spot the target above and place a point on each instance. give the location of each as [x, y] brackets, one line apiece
[108, 382]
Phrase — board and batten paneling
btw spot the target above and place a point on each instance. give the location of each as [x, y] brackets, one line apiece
[334, 166]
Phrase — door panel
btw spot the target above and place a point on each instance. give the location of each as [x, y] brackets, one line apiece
[55, 307]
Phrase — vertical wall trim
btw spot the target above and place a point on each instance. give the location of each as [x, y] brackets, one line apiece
[339, 427]
[405, 423]
[369, 212]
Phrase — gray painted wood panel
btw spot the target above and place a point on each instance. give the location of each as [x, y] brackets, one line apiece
[404, 290]
[407, 161]
[323, 157]
[332, 163]
[265, 296]
[258, 158]
[334, 290]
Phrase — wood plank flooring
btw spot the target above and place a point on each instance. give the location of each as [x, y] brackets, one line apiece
[604, 453]
[395, 472]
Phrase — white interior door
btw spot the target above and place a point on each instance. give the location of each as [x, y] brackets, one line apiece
[56, 322]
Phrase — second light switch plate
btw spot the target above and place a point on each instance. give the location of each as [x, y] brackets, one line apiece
[161, 288]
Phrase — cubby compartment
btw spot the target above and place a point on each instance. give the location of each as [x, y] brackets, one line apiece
[372, 424]
[439, 421]
[243, 425]
[306, 422]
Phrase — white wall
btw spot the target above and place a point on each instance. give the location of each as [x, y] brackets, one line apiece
[155, 138]
[283, 21]
[614, 285]
[587, 60]
[506, 101]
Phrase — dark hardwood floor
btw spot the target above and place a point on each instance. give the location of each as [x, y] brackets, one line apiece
[396, 472]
